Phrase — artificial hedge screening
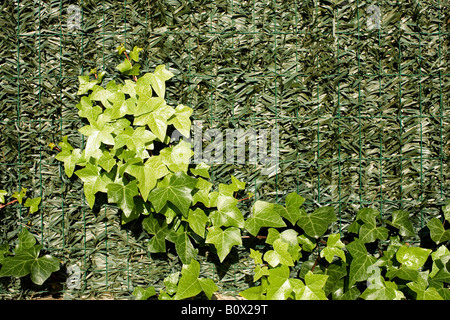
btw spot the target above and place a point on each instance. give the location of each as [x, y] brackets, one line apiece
[130, 157]
[268, 53]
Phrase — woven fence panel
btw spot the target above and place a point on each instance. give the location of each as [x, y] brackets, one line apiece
[358, 91]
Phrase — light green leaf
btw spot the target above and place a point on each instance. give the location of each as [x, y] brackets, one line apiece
[143, 294]
[3, 193]
[202, 192]
[177, 158]
[33, 204]
[412, 257]
[279, 255]
[256, 255]
[333, 248]
[181, 120]
[85, 84]
[87, 110]
[280, 287]
[171, 282]
[254, 293]
[70, 159]
[227, 214]
[20, 264]
[177, 190]
[293, 204]
[313, 288]
[437, 231]
[208, 286]
[223, 240]
[316, 223]
[183, 245]
[134, 55]
[97, 132]
[201, 170]
[93, 182]
[189, 286]
[197, 221]
[135, 140]
[20, 195]
[263, 215]
[125, 66]
[122, 195]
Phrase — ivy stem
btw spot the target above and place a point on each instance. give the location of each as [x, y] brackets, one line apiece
[243, 199]
[315, 263]
[7, 204]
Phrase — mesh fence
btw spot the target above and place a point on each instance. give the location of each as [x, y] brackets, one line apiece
[358, 90]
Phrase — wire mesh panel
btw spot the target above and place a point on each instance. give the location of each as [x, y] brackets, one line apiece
[358, 91]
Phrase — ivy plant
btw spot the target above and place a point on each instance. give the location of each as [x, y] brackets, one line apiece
[129, 156]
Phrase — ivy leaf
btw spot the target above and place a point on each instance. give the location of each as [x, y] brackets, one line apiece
[183, 245]
[312, 289]
[293, 204]
[93, 182]
[280, 287]
[85, 84]
[171, 282]
[316, 223]
[360, 263]
[188, 285]
[20, 195]
[3, 193]
[33, 204]
[197, 221]
[147, 174]
[227, 214]
[181, 120]
[177, 158]
[256, 255]
[201, 170]
[125, 66]
[279, 255]
[159, 229]
[70, 159]
[42, 268]
[208, 286]
[369, 232]
[202, 192]
[143, 294]
[412, 257]
[123, 195]
[254, 293]
[223, 240]
[177, 190]
[401, 221]
[288, 236]
[422, 289]
[87, 110]
[134, 54]
[437, 231]
[263, 215]
[28, 261]
[333, 248]
[26, 241]
[446, 211]
[97, 132]
[135, 140]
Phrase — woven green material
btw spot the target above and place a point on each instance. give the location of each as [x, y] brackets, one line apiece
[363, 115]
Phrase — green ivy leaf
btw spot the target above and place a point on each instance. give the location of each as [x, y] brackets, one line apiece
[3, 193]
[400, 220]
[177, 190]
[422, 289]
[412, 257]
[20, 195]
[26, 241]
[197, 220]
[312, 289]
[288, 236]
[85, 84]
[263, 215]
[143, 294]
[280, 287]
[42, 268]
[171, 282]
[159, 229]
[279, 255]
[369, 232]
[189, 286]
[97, 132]
[227, 214]
[201, 170]
[93, 182]
[183, 245]
[70, 159]
[316, 223]
[223, 240]
[181, 120]
[208, 286]
[135, 140]
[177, 158]
[293, 204]
[437, 231]
[33, 204]
[360, 263]
[202, 192]
[122, 195]
[125, 66]
[446, 211]
[134, 55]
[334, 248]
